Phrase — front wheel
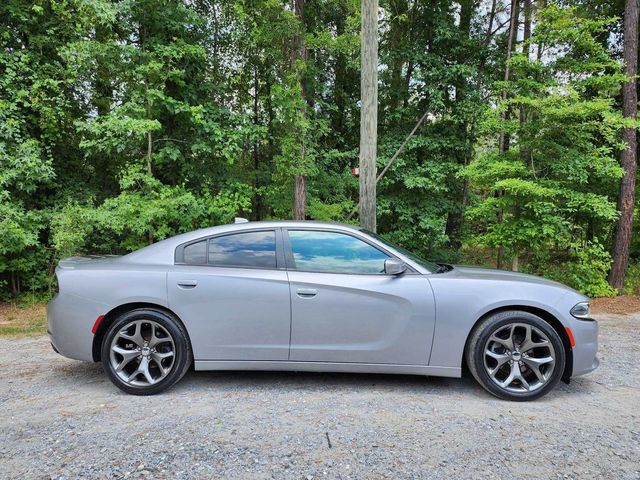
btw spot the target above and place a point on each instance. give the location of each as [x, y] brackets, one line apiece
[145, 351]
[515, 355]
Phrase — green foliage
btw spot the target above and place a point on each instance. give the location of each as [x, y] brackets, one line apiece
[123, 123]
[632, 280]
[552, 194]
[145, 211]
[585, 269]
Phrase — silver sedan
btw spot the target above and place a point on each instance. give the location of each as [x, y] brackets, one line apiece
[310, 296]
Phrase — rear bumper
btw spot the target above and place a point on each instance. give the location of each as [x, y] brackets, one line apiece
[70, 319]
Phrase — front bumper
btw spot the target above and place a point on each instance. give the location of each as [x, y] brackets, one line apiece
[585, 333]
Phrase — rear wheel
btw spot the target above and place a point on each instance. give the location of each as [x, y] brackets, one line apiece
[516, 355]
[145, 351]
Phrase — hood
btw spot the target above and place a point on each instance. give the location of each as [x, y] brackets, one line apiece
[479, 273]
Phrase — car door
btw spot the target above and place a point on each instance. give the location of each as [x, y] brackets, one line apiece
[344, 308]
[232, 293]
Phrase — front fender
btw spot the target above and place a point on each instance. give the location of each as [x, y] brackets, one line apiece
[461, 302]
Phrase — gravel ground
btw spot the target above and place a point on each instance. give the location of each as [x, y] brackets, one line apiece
[63, 419]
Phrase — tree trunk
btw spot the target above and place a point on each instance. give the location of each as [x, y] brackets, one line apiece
[338, 117]
[300, 51]
[368, 113]
[492, 16]
[626, 198]
[102, 83]
[397, 32]
[503, 141]
[513, 32]
[149, 152]
[541, 4]
[515, 262]
[15, 288]
[527, 28]
[150, 172]
[525, 153]
[257, 172]
[455, 218]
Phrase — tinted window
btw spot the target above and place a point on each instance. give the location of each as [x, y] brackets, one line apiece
[196, 253]
[334, 252]
[251, 249]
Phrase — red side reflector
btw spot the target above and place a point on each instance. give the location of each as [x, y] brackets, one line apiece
[98, 322]
[572, 340]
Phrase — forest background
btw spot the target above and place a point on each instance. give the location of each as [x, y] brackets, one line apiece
[123, 123]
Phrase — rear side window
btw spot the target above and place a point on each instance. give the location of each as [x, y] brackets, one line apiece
[250, 249]
[196, 253]
[315, 251]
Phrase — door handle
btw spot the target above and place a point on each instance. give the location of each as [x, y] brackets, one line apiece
[307, 292]
[186, 284]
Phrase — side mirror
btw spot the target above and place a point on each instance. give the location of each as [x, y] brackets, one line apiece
[394, 267]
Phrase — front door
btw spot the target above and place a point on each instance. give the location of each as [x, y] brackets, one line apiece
[232, 297]
[344, 308]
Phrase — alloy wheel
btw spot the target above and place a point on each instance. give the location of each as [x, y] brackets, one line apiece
[142, 353]
[519, 357]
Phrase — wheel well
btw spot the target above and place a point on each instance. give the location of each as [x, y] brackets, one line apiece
[112, 315]
[545, 315]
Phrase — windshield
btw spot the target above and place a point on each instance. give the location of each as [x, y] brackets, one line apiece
[432, 267]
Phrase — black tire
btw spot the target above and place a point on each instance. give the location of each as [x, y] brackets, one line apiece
[501, 322]
[182, 355]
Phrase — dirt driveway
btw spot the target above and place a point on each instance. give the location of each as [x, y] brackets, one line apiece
[63, 419]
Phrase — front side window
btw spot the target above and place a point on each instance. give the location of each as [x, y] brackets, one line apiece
[250, 249]
[334, 253]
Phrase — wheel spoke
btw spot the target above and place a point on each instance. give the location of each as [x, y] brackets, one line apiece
[127, 356]
[528, 343]
[510, 378]
[536, 370]
[144, 369]
[535, 363]
[500, 358]
[505, 342]
[155, 340]
[163, 369]
[137, 334]
[520, 377]
[158, 357]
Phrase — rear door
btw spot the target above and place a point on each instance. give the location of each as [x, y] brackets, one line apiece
[232, 293]
[344, 308]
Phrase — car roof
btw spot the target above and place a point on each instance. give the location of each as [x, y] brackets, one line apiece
[163, 251]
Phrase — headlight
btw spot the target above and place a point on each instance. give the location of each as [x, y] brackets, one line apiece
[581, 311]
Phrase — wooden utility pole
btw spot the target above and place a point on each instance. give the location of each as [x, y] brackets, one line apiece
[299, 51]
[368, 113]
[626, 198]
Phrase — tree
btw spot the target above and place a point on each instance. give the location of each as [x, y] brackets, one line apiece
[628, 160]
[299, 53]
[555, 207]
[503, 141]
[369, 114]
